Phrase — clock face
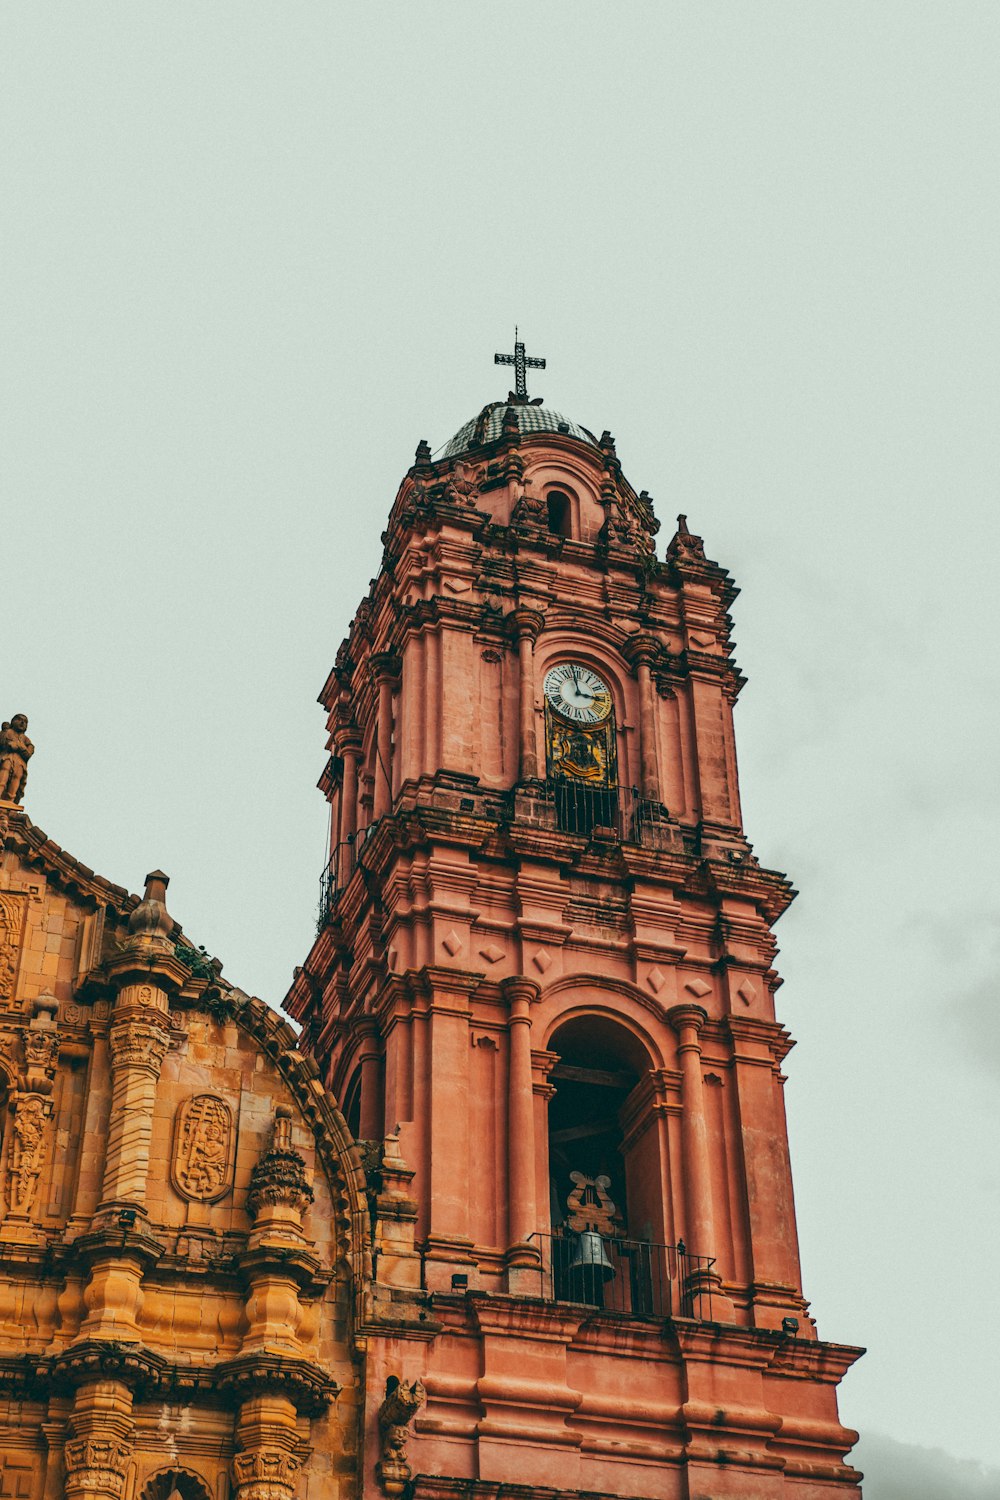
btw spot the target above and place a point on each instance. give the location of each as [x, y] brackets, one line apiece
[577, 693]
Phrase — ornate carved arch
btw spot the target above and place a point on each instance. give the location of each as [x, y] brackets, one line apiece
[175, 1479]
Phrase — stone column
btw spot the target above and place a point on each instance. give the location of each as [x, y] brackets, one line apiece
[267, 1465]
[525, 626]
[278, 1260]
[350, 753]
[386, 671]
[371, 1127]
[520, 993]
[99, 1445]
[703, 1285]
[139, 1041]
[119, 1247]
[642, 649]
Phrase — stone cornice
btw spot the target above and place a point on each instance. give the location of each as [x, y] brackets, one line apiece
[152, 1377]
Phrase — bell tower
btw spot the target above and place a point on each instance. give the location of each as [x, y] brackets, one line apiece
[543, 988]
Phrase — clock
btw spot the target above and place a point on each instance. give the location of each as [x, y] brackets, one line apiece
[577, 693]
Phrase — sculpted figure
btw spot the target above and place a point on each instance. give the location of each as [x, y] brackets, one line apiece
[15, 752]
[27, 1151]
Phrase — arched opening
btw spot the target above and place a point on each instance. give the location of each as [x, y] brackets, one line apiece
[351, 1107]
[175, 1484]
[560, 513]
[603, 1184]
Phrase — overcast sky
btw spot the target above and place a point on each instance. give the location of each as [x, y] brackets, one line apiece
[252, 253]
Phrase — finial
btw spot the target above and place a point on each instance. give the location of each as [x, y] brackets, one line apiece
[685, 546]
[422, 458]
[15, 752]
[151, 918]
[521, 362]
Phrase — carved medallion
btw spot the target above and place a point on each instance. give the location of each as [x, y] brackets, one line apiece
[204, 1146]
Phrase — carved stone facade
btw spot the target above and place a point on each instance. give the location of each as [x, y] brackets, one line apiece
[183, 1226]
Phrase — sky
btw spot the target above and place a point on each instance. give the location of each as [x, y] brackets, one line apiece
[251, 254]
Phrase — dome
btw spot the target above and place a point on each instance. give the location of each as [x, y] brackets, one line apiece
[529, 419]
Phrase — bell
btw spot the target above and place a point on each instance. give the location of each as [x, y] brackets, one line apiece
[589, 1255]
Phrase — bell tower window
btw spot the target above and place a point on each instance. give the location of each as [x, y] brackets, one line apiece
[603, 1187]
[560, 514]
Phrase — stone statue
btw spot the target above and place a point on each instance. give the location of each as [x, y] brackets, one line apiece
[15, 752]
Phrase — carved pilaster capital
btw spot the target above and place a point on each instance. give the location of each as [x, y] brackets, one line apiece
[97, 1466]
[139, 1044]
[523, 623]
[520, 992]
[642, 647]
[686, 1019]
[265, 1474]
[386, 666]
[40, 1046]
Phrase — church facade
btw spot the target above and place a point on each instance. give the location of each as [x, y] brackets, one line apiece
[511, 1217]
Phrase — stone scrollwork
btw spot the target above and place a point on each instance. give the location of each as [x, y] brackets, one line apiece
[204, 1140]
[265, 1474]
[403, 1399]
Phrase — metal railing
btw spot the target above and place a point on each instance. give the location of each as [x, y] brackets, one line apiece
[624, 1278]
[617, 813]
[622, 812]
[337, 872]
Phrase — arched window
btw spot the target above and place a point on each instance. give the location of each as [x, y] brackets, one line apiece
[560, 513]
[603, 1188]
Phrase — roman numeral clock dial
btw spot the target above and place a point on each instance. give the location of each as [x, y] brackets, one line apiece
[577, 693]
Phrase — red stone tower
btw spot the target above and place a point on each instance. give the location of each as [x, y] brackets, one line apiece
[542, 990]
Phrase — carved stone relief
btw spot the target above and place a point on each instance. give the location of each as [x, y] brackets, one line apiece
[403, 1399]
[204, 1143]
[12, 909]
[29, 1116]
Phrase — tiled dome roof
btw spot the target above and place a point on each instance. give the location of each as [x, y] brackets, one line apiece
[529, 419]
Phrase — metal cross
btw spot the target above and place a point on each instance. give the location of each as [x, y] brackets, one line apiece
[521, 362]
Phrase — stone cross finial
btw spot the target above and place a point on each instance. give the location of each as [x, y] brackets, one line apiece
[15, 752]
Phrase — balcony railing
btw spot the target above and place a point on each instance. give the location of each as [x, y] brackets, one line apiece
[619, 814]
[624, 1278]
[338, 871]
